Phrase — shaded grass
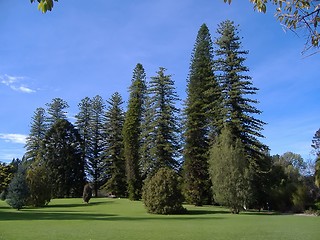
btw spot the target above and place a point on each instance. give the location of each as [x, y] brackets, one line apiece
[123, 219]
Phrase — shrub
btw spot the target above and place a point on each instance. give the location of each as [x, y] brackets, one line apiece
[87, 193]
[162, 194]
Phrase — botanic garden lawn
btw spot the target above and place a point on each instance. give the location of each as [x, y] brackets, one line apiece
[122, 219]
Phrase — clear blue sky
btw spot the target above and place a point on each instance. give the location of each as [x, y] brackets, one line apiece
[84, 48]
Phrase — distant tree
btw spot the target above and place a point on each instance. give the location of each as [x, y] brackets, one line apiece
[316, 143]
[39, 183]
[295, 15]
[289, 193]
[18, 191]
[62, 153]
[165, 132]
[317, 171]
[95, 163]
[113, 153]
[87, 193]
[132, 131]
[162, 193]
[6, 175]
[36, 135]
[196, 150]
[56, 110]
[230, 173]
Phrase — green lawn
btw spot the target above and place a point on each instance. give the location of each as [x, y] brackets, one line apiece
[112, 219]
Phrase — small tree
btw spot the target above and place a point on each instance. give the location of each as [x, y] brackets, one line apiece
[39, 184]
[162, 194]
[87, 193]
[18, 191]
[229, 172]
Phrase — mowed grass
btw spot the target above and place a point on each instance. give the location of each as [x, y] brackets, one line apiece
[123, 219]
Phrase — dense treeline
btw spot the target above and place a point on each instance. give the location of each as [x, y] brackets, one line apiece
[211, 147]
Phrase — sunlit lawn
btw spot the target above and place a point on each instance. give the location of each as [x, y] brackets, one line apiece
[122, 219]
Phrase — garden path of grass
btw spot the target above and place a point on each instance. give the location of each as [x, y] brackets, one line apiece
[114, 219]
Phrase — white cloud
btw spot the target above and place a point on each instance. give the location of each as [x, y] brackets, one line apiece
[14, 83]
[13, 138]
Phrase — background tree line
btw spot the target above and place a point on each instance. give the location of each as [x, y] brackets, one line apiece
[213, 145]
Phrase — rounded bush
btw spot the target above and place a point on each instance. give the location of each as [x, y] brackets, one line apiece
[162, 194]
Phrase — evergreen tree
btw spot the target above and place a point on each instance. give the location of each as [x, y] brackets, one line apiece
[201, 82]
[132, 131]
[230, 172]
[96, 165]
[36, 135]
[18, 191]
[165, 138]
[239, 110]
[56, 110]
[62, 154]
[114, 142]
[83, 124]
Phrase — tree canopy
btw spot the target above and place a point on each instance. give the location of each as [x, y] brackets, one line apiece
[294, 15]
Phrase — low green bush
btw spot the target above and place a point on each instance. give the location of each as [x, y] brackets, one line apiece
[162, 194]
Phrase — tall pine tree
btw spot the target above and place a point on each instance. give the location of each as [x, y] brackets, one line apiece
[197, 123]
[113, 154]
[162, 131]
[96, 165]
[239, 108]
[36, 135]
[132, 131]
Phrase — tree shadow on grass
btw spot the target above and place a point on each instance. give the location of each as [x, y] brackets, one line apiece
[205, 212]
[42, 216]
[57, 205]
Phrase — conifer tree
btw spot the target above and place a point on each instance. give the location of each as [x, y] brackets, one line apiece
[162, 131]
[201, 82]
[56, 110]
[36, 135]
[18, 191]
[114, 146]
[62, 154]
[132, 131]
[239, 108]
[83, 124]
[96, 165]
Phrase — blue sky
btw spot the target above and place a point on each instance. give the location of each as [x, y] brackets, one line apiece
[84, 48]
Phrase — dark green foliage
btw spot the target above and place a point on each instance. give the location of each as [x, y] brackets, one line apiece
[289, 189]
[87, 193]
[132, 131]
[230, 172]
[90, 122]
[39, 183]
[18, 191]
[197, 123]
[95, 163]
[162, 193]
[62, 153]
[36, 135]
[161, 133]
[113, 154]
